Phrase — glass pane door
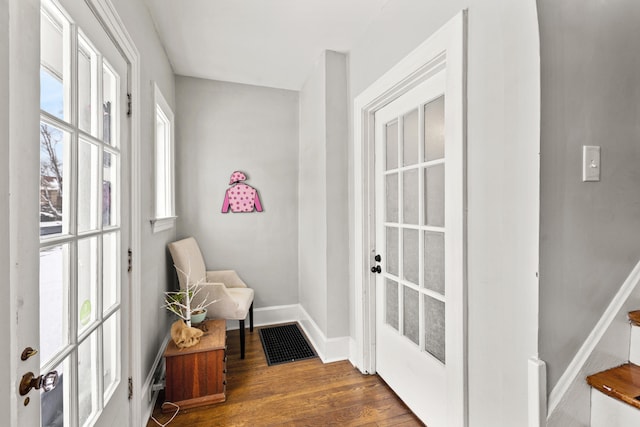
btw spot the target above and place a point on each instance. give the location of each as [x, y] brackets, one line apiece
[80, 222]
[414, 226]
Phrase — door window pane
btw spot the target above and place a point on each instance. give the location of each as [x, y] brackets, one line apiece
[110, 270]
[411, 314]
[87, 118]
[88, 176]
[434, 261]
[87, 282]
[111, 348]
[392, 145]
[410, 138]
[110, 85]
[393, 254]
[434, 338]
[434, 129]
[52, 78]
[54, 303]
[110, 189]
[54, 146]
[391, 200]
[54, 404]
[391, 303]
[87, 380]
[434, 196]
[410, 197]
[410, 255]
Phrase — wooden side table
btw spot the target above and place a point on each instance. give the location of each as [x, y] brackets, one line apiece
[196, 376]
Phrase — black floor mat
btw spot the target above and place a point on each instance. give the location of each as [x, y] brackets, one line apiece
[284, 344]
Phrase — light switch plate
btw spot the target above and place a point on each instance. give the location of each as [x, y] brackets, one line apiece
[590, 163]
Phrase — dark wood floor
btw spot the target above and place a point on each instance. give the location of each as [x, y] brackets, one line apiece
[304, 393]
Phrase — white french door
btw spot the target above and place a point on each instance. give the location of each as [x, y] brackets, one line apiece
[419, 233]
[81, 327]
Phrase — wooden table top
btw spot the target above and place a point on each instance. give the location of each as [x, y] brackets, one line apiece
[213, 339]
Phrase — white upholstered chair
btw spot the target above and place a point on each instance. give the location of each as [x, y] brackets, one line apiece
[234, 298]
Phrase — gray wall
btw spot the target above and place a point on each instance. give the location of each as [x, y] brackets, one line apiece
[590, 232]
[312, 241]
[502, 180]
[155, 321]
[223, 127]
[5, 304]
[323, 208]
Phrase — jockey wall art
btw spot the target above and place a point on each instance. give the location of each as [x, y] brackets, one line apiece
[241, 197]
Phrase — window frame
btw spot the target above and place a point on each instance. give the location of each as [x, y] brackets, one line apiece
[164, 167]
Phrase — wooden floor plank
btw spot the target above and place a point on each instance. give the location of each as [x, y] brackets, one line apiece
[304, 393]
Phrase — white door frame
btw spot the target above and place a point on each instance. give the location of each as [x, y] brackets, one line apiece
[24, 66]
[108, 16]
[445, 48]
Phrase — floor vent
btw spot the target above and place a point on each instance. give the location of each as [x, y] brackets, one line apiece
[286, 343]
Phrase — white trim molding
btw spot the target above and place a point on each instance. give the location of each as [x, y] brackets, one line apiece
[446, 48]
[537, 392]
[106, 13]
[574, 371]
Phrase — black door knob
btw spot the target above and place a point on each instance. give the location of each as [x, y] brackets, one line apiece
[376, 269]
[378, 258]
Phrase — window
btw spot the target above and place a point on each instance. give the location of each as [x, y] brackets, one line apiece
[164, 165]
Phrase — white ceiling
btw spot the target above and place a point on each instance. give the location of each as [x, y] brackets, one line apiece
[272, 43]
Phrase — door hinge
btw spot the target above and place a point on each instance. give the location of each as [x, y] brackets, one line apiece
[130, 252]
[128, 105]
[130, 388]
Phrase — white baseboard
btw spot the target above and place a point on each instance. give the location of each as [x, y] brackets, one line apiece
[328, 349]
[147, 396]
[271, 316]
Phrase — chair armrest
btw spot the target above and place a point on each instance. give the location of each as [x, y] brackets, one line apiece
[229, 277]
[208, 292]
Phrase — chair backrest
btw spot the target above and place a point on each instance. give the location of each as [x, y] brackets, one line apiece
[188, 258]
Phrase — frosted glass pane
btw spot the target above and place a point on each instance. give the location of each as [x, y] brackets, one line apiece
[86, 95]
[54, 149]
[55, 403]
[434, 261]
[87, 379]
[87, 282]
[392, 197]
[54, 295]
[111, 349]
[434, 196]
[110, 189]
[110, 269]
[434, 335]
[411, 314]
[393, 253]
[434, 129]
[410, 138]
[391, 303]
[88, 199]
[410, 263]
[410, 197]
[392, 145]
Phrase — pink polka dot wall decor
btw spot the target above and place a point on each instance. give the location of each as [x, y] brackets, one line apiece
[241, 197]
